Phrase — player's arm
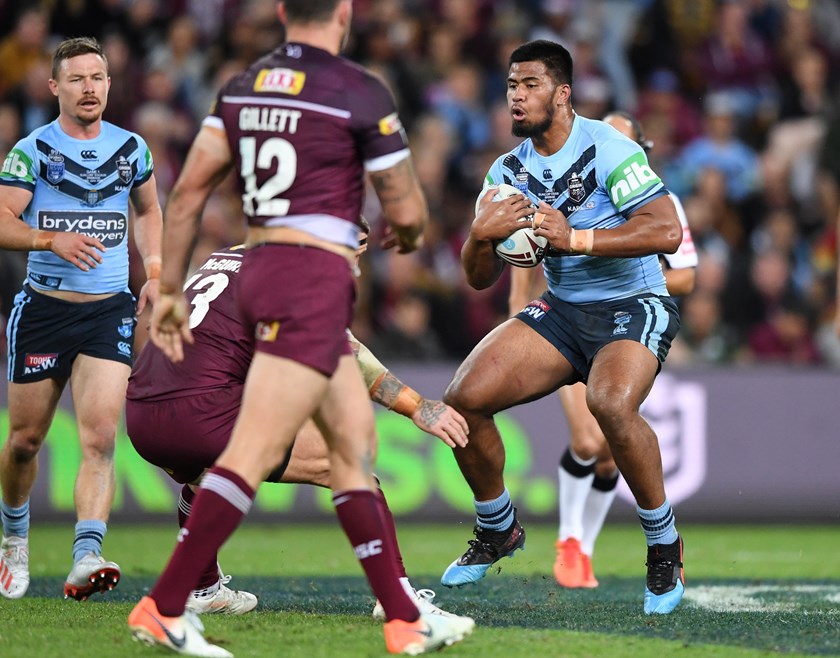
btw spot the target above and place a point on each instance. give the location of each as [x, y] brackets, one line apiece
[16, 235]
[403, 205]
[432, 416]
[148, 229]
[494, 221]
[208, 160]
[680, 281]
[653, 228]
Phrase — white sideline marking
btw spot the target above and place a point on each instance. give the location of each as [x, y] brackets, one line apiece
[783, 598]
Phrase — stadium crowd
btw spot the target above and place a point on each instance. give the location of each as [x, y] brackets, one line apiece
[740, 97]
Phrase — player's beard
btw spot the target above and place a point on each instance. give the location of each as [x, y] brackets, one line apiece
[525, 129]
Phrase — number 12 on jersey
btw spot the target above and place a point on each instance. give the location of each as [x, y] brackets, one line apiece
[262, 201]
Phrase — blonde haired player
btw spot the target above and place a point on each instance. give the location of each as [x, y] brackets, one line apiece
[587, 473]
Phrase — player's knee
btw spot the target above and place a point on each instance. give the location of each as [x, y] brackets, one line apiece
[610, 408]
[588, 442]
[98, 440]
[466, 398]
[24, 443]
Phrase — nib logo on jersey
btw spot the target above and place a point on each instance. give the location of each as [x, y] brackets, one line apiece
[107, 227]
[629, 178]
[33, 363]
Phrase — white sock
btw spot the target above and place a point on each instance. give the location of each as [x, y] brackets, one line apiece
[573, 493]
[595, 511]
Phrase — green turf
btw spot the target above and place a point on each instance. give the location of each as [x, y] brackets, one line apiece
[752, 591]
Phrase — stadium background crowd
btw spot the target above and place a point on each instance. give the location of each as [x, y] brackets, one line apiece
[740, 97]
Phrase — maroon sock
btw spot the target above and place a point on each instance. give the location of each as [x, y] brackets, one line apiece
[219, 506]
[360, 514]
[391, 529]
[210, 575]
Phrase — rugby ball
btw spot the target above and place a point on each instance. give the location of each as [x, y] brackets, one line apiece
[522, 248]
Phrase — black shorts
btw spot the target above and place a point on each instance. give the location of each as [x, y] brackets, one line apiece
[45, 334]
[578, 331]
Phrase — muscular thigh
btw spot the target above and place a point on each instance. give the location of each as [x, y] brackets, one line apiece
[183, 436]
[511, 365]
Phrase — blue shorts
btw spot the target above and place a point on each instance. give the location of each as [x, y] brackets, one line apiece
[579, 331]
[45, 334]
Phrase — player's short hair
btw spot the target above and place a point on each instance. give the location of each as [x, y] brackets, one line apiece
[73, 48]
[309, 11]
[557, 60]
[638, 131]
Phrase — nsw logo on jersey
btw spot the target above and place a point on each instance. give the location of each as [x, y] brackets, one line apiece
[55, 167]
[631, 178]
[281, 81]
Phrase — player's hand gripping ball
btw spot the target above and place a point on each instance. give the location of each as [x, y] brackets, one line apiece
[522, 248]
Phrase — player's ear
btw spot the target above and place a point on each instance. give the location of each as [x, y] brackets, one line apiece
[281, 11]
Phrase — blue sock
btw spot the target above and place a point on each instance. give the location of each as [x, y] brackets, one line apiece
[15, 519]
[89, 536]
[495, 514]
[658, 524]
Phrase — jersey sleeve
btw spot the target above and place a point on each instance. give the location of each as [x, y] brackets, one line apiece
[376, 124]
[623, 171]
[145, 163]
[20, 168]
[686, 254]
[494, 177]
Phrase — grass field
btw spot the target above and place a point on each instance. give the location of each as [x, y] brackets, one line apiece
[751, 591]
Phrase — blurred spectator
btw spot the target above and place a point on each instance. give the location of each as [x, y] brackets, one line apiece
[786, 335]
[660, 102]
[10, 128]
[406, 333]
[720, 148]
[34, 100]
[704, 337]
[181, 57]
[618, 21]
[25, 47]
[735, 60]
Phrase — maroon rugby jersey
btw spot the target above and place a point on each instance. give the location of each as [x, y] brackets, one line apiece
[302, 125]
[222, 351]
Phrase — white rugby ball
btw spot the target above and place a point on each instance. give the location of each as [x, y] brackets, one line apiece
[522, 248]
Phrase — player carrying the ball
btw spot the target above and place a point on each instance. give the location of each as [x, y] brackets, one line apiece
[606, 318]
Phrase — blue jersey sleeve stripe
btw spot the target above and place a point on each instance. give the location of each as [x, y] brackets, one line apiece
[16, 182]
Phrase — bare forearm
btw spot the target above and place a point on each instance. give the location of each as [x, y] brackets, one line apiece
[481, 266]
[183, 217]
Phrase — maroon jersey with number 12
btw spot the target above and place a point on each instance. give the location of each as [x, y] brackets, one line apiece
[303, 126]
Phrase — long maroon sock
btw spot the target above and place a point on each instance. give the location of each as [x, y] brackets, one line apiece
[211, 572]
[391, 529]
[219, 506]
[360, 514]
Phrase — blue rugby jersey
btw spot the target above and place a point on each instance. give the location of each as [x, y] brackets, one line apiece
[79, 185]
[597, 179]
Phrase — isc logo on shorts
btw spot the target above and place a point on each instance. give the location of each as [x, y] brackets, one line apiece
[33, 363]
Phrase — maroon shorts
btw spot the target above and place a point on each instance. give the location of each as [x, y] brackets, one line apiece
[183, 436]
[298, 302]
